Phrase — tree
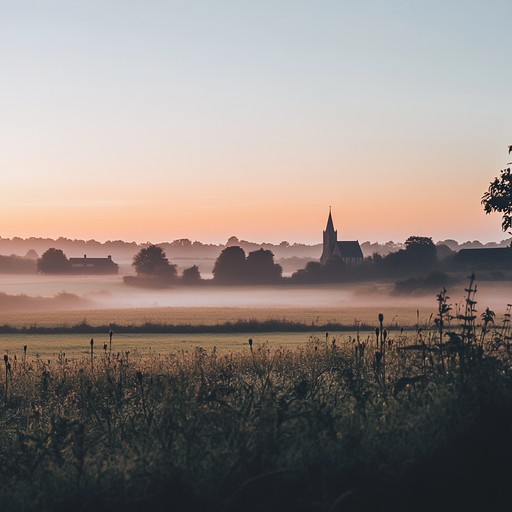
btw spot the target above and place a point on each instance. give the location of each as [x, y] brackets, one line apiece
[152, 261]
[260, 267]
[420, 252]
[498, 197]
[230, 266]
[31, 255]
[191, 275]
[53, 261]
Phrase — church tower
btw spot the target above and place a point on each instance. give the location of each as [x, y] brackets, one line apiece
[330, 248]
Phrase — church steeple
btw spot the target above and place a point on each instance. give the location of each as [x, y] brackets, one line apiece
[349, 252]
[330, 246]
[330, 224]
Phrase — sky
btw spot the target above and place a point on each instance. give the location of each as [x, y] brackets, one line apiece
[157, 120]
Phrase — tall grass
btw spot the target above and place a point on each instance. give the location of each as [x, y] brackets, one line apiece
[318, 427]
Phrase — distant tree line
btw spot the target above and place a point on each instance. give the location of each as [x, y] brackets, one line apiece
[153, 268]
[185, 248]
[233, 267]
[420, 264]
[14, 264]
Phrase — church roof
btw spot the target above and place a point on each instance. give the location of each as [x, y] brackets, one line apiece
[350, 249]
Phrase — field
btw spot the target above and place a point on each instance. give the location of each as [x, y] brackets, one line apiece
[73, 346]
[414, 419]
[316, 427]
[400, 316]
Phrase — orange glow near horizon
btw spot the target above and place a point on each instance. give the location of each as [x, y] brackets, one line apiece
[249, 214]
[203, 122]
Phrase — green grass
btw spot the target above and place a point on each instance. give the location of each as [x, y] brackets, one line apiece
[310, 427]
[75, 346]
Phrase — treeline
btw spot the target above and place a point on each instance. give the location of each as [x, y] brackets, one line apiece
[180, 248]
[420, 265]
[233, 266]
[15, 264]
[188, 249]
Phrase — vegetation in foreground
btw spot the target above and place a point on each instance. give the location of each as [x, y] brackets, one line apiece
[410, 422]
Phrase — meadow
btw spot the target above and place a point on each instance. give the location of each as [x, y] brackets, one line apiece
[381, 419]
[200, 328]
[75, 346]
[347, 315]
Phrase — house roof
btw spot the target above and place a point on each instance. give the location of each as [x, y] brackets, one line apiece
[350, 249]
[93, 261]
[494, 255]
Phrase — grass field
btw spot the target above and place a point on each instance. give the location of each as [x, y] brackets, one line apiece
[75, 345]
[414, 420]
[312, 428]
[50, 346]
[400, 316]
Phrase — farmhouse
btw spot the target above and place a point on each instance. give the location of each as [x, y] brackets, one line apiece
[349, 251]
[87, 265]
[485, 259]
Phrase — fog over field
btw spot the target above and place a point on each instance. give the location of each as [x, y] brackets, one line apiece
[36, 292]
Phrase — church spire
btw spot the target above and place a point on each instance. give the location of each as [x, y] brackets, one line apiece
[330, 246]
[330, 224]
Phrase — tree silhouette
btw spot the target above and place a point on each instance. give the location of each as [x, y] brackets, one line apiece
[420, 254]
[260, 267]
[421, 250]
[230, 266]
[191, 275]
[498, 197]
[53, 261]
[152, 261]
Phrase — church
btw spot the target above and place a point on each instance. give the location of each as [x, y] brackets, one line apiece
[348, 251]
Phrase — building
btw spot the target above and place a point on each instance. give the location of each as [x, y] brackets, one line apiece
[496, 258]
[348, 251]
[87, 265]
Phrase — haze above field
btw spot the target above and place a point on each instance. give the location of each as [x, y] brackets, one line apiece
[165, 120]
[108, 293]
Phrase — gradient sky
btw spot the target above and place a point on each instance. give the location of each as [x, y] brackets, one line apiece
[156, 120]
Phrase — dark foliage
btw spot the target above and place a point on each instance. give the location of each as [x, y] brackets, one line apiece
[433, 281]
[229, 267]
[498, 198]
[152, 262]
[17, 265]
[53, 261]
[232, 267]
[260, 267]
[191, 275]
